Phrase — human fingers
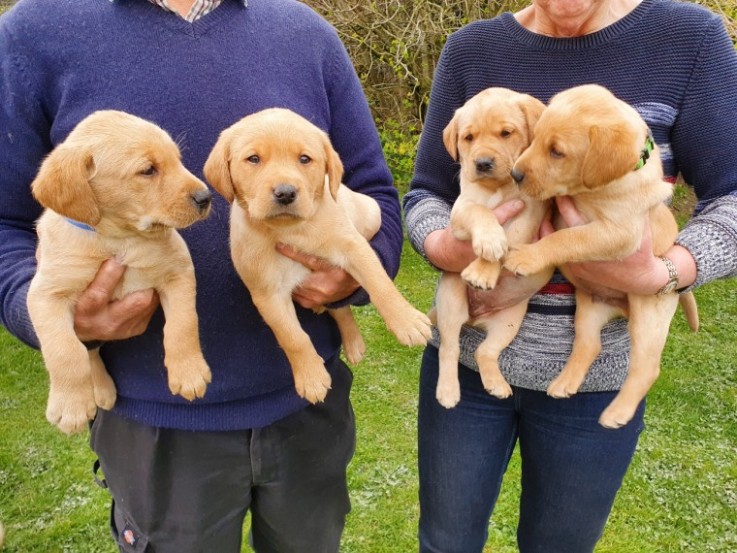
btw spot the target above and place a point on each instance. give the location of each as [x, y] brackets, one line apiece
[508, 210]
[312, 262]
[324, 287]
[100, 291]
[132, 313]
[567, 209]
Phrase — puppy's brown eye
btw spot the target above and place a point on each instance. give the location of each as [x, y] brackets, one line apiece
[254, 159]
[149, 171]
[506, 133]
[304, 159]
[556, 154]
[468, 138]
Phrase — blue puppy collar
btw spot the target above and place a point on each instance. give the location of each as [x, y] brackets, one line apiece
[83, 226]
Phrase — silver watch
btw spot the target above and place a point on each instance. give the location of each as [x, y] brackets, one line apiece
[672, 283]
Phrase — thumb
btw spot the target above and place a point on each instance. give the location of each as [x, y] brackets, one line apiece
[567, 209]
[508, 210]
[100, 290]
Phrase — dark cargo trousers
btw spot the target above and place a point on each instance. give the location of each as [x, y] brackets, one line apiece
[177, 491]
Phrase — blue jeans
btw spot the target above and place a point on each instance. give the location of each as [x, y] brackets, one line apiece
[571, 466]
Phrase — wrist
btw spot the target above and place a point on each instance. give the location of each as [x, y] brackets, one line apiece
[446, 252]
[670, 284]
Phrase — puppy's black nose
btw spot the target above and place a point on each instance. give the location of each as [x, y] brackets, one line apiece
[285, 194]
[484, 164]
[518, 176]
[202, 199]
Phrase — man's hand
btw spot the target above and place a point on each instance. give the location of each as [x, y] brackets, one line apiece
[326, 283]
[97, 316]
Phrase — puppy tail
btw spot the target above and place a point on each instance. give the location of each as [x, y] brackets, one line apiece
[690, 310]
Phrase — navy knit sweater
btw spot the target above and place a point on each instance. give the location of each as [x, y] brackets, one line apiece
[60, 60]
[673, 62]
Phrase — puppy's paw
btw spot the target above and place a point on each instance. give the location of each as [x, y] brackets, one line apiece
[354, 349]
[189, 377]
[523, 261]
[313, 383]
[490, 245]
[71, 410]
[564, 386]
[105, 396]
[413, 328]
[617, 414]
[496, 385]
[448, 394]
[482, 274]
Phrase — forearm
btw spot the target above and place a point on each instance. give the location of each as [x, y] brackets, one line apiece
[711, 240]
[424, 214]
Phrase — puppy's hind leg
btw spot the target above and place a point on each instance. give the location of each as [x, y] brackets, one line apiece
[103, 386]
[501, 328]
[649, 323]
[589, 320]
[354, 348]
[451, 311]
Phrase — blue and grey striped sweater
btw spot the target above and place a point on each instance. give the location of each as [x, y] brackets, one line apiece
[674, 62]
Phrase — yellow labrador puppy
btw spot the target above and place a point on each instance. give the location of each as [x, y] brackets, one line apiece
[597, 149]
[283, 178]
[116, 187]
[486, 135]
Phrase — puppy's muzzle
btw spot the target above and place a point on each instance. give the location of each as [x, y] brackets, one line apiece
[484, 165]
[518, 176]
[202, 200]
[285, 194]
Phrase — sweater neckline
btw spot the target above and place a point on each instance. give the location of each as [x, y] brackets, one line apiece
[202, 24]
[599, 37]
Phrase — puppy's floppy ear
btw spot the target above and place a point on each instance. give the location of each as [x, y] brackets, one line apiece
[217, 167]
[532, 109]
[63, 184]
[610, 155]
[333, 169]
[450, 137]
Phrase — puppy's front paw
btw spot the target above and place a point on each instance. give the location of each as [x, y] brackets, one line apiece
[71, 410]
[523, 261]
[482, 274]
[312, 383]
[490, 245]
[189, 377]
[412, 328]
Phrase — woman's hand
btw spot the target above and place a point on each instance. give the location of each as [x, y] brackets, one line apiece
[97, 316]
[641, 273]
[449, 254]
[326, 283]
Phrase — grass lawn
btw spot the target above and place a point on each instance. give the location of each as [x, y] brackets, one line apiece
[680, 494]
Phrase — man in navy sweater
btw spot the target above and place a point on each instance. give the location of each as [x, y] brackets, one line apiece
[183, 475]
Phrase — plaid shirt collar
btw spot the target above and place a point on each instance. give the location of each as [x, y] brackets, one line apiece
[199, 8]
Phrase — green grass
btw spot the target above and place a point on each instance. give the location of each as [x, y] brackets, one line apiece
[679, 495]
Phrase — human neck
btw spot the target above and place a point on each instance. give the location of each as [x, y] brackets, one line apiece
[182, 7]
[572, 18]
